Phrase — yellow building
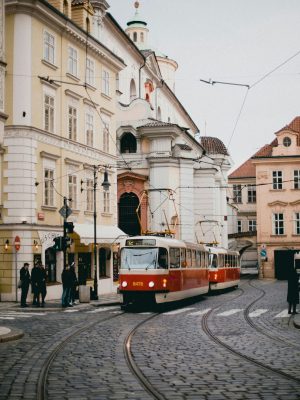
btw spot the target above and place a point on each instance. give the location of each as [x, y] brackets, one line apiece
[58, 139]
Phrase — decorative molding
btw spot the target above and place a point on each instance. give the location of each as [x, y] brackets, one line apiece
[53, 85]
[70, 161]
[90, 103]
[106, 111]
[45, 154]
[50, 65]
[75, 95]
[278, 203]
[295, 203]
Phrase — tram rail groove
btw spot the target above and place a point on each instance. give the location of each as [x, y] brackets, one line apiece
[145, 383]
[257, 363]
[262, 330]
[42, 381]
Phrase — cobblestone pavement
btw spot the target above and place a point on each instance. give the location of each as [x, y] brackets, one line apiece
[173, 351]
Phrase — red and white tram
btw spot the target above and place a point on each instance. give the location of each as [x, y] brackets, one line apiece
[162, 269]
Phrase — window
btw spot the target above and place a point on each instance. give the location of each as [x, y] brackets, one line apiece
[89, 195]
[277, 179]
[106, 138]
[106, 202]
[142, 37]
[48, 187]
[239, 226]
[128, 143]
[132, 90]
[297, 179]
[72, 61]
[89, 128]
[251, 194]
[237, 193]
[252, 225]
[287, 141]
[90, 72]
[105, 82]
[297, 223]
[72, 123]
[48, 113]
[174, 258]
[72, 186]
[134, 36]
[278, 224]
[49, 47]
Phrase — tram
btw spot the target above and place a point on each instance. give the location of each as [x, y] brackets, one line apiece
[156, 269]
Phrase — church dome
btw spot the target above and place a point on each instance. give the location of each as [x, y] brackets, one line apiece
[213, 145]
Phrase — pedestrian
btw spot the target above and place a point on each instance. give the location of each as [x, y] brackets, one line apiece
[43, 287]
[25, 282]
[67, 282]
[35, 274]
[293, 291]
[74, 284]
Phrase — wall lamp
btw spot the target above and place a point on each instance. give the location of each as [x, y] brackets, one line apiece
[35, 244]
[6, 245]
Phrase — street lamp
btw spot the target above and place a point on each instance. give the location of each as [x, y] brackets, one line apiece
[105, 184]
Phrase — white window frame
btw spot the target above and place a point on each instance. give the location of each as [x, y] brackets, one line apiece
[72, 122]
[278, 224]
[49, 47]
[106, 201]
[251, 194]
[106, 137]
[297, 223]
[105, 82]
[90, 71]
[239, 226]
[48, 188]
[277, 180]
[73, 189]
[89, 194]
[49, 112]
[72, 61]
[89, 128]
[252, 225]
[237, 194]
[296, 178]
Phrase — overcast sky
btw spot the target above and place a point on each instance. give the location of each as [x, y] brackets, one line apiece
[235, 41]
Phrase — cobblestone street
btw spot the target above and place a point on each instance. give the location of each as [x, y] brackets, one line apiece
[214, 348]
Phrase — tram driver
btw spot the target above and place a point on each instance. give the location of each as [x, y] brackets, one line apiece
[162, 258]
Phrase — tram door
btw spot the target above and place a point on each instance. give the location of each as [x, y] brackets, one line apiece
[128, 219]
[284, 262]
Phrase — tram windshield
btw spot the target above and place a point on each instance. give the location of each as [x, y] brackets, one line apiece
[144, 258]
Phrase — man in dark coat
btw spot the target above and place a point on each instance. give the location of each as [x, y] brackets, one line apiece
[36, 284]
[43, 287]
[293, 291]
[67, 282]
[25, 281]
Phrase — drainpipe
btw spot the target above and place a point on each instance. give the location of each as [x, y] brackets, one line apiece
[142, 66]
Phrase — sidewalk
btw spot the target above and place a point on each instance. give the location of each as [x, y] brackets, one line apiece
[7, 334]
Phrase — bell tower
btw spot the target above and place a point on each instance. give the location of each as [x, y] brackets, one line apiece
[137, 29]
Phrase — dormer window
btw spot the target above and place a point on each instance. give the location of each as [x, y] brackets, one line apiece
[134, 36]
[142, 37]
[287, 141]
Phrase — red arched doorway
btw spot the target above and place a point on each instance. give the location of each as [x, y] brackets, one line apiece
[128, 219]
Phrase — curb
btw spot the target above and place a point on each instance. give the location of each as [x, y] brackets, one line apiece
[296, 322]
[8, 334]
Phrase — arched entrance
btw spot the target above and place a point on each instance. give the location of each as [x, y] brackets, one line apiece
[128, 219]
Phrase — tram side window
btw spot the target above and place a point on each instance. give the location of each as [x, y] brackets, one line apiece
[163, 258]
[226, 260]
[183, 258]
[214, 261]
[194, 258]
[198, 259]
[174, 258]
[188, 258]
[221, 260]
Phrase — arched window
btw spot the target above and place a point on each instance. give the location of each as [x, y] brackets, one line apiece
[142, 37]
[128, 143]
[134, 36]
[159, 113]
[128, 218]
[132, 90]
[88, 28]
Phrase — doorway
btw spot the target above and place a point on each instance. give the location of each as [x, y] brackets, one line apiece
[283, 262]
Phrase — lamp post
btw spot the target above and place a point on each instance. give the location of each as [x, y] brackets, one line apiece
[105, 184]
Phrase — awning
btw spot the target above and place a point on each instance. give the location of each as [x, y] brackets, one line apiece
[105, 233]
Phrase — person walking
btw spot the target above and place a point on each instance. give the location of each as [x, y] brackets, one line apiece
[293, 291]
[25, 282]
[35, 273]
[43, 287]
[74, 284]
[67, 281]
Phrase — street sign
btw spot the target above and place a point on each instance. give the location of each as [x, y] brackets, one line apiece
[17, 243]
[65, 211]
[263, 253]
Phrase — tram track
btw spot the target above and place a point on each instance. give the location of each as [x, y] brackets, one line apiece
[235, 352]
[258, 328]
[42, 380]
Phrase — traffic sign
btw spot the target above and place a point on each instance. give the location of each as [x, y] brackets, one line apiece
[65, 211]
[263, 253]
[17, 243]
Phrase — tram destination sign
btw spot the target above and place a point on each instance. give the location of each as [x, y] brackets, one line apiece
[140, 242]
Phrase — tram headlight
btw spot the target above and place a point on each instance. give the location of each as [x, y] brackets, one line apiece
[164, 282]
[124, 284]
[215, 276]
[151, 284]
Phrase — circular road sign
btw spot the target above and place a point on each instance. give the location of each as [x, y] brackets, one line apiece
[17, 243]
[263, 253]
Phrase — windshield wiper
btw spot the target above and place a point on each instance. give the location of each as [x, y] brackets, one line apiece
[152, 262]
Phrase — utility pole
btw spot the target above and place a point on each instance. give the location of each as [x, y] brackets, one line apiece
[65, 233]
[95, 294]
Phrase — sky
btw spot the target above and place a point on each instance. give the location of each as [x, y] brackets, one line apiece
[248, 42]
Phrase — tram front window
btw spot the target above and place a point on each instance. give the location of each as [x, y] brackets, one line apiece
[139, 258]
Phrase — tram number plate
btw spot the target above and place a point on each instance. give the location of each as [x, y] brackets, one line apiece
[137, 283]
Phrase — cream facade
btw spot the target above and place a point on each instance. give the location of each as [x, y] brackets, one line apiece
[61, 102]
[278, 204]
